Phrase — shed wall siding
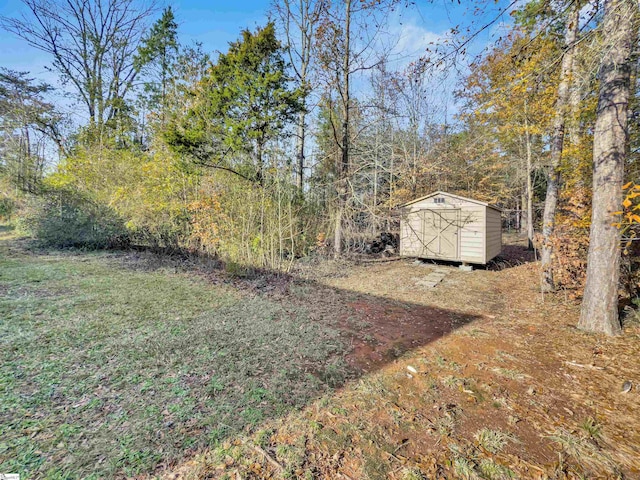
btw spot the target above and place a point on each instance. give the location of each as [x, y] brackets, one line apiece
[494, 234]
[472, 246]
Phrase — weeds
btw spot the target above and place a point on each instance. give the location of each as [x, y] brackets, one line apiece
[451, 381]
[505, 356]
[591, 428]
[493, 440]
[292, 457]
[412, 473]
[631, 314]
[335, 373]
[584, 450]
[509, 373]
[375, 468]
[441, 361]
[445, 425]
[474, 333]
[464, 468]
[494, 471]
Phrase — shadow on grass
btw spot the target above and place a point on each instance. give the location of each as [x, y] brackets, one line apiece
[111, 371]
[4, 229]
[379, 329]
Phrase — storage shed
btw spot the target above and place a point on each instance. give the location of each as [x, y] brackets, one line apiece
[443, 226]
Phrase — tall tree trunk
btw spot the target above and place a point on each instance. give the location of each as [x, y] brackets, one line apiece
[574, 130]
[337, 232]
[302, 16]
[300, 140]
[164, 65]
[522, 214]
[557, 144]
[306, 29]
[343, 170]
[529, 182]
[599, 311]
[375, 183]
[260, 161]
[530, 232]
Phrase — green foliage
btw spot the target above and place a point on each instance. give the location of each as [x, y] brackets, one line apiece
[7, 207]
[161, 43]
[244, 102]
[66, 218]
[148, 191]
[156, 57]
[258, 227]
[163, 205]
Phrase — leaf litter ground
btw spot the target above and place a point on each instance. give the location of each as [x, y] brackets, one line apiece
[479, 377]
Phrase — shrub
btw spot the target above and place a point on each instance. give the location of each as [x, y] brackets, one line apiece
[63, 218]
[7, 207]
[162, 233]
[571, 242]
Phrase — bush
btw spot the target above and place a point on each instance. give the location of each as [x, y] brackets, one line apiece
[62, 218]
[165, 231]
[7, 207]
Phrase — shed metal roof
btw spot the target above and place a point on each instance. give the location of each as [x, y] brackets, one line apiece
[477, 202]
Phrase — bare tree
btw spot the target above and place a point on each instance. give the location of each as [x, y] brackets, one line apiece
[27, 124]
[93, 45]
[528, 183]
[345, 94]
[347, 35]
[299, 21]
[620, 33]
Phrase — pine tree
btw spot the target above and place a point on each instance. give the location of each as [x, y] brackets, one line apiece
[156, 56]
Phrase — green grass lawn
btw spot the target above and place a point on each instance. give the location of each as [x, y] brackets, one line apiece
[108, 371]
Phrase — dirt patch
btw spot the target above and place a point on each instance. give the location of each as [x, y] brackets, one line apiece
[388, 331]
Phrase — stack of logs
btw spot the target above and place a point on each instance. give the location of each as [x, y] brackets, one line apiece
[386, 243]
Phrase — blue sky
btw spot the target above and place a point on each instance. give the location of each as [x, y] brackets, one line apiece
[216, 23]
[213, 25]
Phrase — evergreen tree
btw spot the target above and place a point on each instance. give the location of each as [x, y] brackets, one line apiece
[156, 56]
[244, 103]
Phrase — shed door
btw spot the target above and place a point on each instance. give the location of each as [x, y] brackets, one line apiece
[440, 233]
[411, 235]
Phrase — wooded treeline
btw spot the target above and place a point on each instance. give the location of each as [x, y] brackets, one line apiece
[305, 136]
